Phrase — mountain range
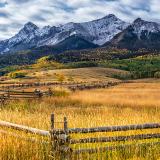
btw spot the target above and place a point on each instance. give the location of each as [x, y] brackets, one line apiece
[140, 34]
[108, 31]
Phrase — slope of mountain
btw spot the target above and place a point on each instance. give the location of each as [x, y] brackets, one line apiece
[103, 30]
[97, 32]
[74, 43]
[28, 37]
[141, 34]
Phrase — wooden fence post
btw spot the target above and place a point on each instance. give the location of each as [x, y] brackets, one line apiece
[50, 92]
[65, 150]
[65, 125]
[8, 94]
[52, 122]
[60, 141]
[53, 136]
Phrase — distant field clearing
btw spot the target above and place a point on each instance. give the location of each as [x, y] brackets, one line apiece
[80, 74]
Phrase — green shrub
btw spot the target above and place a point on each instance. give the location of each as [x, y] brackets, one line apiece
[122, 76]
[47, 63]
[8, 69]
[15, 75]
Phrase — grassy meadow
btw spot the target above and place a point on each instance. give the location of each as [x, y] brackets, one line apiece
[88, 75]
[132, 103]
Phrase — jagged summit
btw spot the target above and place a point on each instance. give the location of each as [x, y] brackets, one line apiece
[97, 32]
[140, 34]
[138, 20]
[140, 26]
[30, 26]
[110, 16]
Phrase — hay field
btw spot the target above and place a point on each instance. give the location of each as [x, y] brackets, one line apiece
[132, 103]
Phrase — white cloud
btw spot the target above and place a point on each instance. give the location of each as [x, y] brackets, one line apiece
[15, 13]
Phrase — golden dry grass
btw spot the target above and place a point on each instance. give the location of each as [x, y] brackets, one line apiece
[133, 103]
[79, 75]
[127, 95]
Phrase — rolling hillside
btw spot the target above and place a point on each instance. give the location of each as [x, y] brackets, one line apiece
[90, 74]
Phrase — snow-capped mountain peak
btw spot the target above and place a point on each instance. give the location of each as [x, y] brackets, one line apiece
[97, 31]
[110, 16]
[140, 34]
[141, 26]
[28, 28]
[105, 29]
[24, 35]
[138, 20]
[30, 25]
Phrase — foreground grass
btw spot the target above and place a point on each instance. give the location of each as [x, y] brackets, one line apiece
[124, 104]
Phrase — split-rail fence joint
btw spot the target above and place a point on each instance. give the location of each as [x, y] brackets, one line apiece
[61, 139]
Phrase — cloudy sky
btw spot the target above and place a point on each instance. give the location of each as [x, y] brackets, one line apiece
[15, 13]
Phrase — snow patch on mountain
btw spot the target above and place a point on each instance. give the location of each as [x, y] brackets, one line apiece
[97, 31]
[105, 29]
[140, 26]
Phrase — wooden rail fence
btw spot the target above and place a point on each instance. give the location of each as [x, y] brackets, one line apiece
[72, 86]
[7, 94]
[38, 84]
[24, 128]
[13, 95]
[61, 140]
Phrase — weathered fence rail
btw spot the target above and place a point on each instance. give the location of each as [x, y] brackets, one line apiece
[111, 128]
[94, 86]
[72, 86]
[13, 95]
[24, 128]
[61, 138]
[111, 148]
[116, 139]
